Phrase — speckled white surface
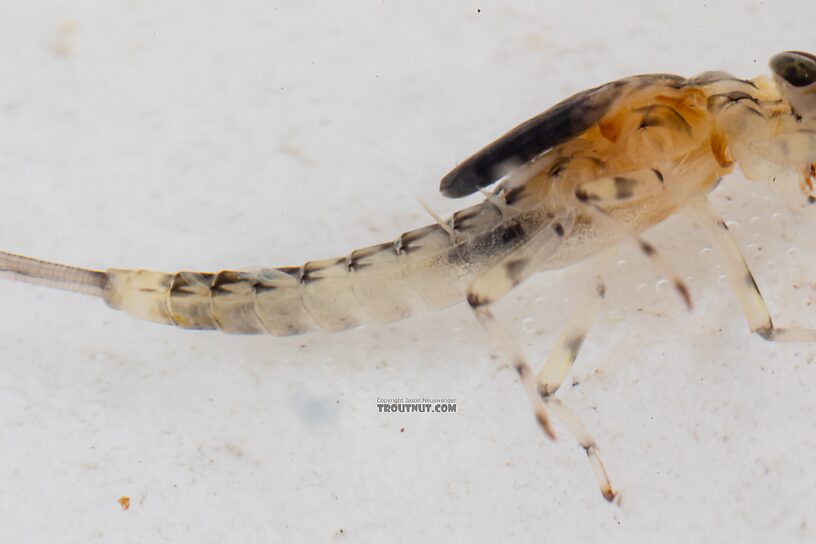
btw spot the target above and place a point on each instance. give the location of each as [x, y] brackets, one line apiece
[181, 135]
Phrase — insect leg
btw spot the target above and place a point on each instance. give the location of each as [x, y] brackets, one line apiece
[558, 364]
[633, 188]
[629, 187]
[508, 345]
[740, 277]
[577, 429]
[569, 343]
[498, 281]
[490, 287]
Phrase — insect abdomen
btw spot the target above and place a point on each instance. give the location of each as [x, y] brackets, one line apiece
[382, 283]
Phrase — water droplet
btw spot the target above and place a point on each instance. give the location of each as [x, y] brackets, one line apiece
[755, 220]
[642, 287]
[777, 216]
[722, 280]
[621, 263]
[793, 253]
[706, 251]
[528, 325]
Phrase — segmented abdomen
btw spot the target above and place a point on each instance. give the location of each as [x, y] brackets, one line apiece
[425, 267]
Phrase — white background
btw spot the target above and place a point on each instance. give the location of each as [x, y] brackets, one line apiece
[206, 135]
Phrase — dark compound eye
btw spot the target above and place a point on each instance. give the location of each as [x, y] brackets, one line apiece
[795, 67]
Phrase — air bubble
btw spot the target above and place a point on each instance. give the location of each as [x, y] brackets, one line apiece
[661, 286]
[754, 220]
[621, 263]
[776, 216]
[642, 287]
[722, 280]
[706, 251]
[793, 253]
[528, 325]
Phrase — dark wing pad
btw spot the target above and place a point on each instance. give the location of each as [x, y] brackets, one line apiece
[531, 138]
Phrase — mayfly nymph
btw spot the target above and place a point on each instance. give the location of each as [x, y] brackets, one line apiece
[598, 168]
